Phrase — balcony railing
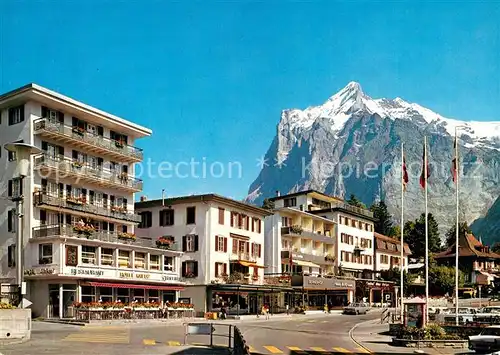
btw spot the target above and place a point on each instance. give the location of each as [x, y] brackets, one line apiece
[66, 230]
[351, 208]
[41, 198]
[243, 256]
[65, 167]
[307, 234]
[80, 137]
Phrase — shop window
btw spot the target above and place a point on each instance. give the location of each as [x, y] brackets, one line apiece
[139, 295]
[154, 262]
[107, 256]
[45, 254]
[88, 294]
[153, 296]
[123, 258]
[123, 295]
[140, 260]
[105, 294]
[89, 255]
[168, 263]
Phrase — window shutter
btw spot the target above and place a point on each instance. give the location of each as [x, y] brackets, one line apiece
[247, 247]
[217, 269]
[183, 268]
[10, 188]
[247, 223]
[259, 223]
[196, 243]
[195, 268]
[253, 249]
[225, 268]
[232, 219]
[260, 250]
[240, 220]
[60, 117]
[184, 243]
[216, 243]
[235, 246]
[253, 224]
[225, 245]
[9, 221]
[45, 145]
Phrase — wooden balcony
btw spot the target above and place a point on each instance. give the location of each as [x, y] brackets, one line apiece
[91, 142]
[59, 167]
[81, 208]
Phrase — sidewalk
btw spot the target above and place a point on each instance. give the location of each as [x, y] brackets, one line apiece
[372, 336]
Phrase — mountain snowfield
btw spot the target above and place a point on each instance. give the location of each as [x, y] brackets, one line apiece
[329, 148]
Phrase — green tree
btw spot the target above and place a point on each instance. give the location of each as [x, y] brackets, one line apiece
[394, 276]
[267, 204]
[395, 232]
[442, 280]
[354, 201]
[451, 236]
[414, 234]
[496, 247]
[383, 219]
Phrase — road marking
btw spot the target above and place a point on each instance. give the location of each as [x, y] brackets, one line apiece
[324, 321]
[98, 338]
[341, 350]
[273, 349]
[149, 342]
[297, 349]
[251, 349]
[311, 321]
[363, 350]
[316, 348]
[174, 343]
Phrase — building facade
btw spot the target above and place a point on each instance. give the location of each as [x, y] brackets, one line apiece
[78, 225]
[222, 241]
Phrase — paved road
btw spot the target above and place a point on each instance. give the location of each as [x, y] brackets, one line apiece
[324, 334]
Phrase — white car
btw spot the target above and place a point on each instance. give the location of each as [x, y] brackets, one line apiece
[487, 341]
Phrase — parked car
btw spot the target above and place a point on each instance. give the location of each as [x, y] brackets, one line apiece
[356, 308]
[465, 315]
[487, 341]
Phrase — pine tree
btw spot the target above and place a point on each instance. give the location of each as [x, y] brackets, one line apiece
[383, 219]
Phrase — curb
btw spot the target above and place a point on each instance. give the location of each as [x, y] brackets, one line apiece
[351, 331]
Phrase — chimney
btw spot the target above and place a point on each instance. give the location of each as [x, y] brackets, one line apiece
[144, 198]
[278, 193]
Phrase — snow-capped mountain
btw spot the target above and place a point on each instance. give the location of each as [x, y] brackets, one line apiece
[352, 144]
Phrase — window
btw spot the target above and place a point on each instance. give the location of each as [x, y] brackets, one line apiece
[153, 296]
[146, 219]
[107, 256]
[16, 115]
[190, 269]
[139, 295]
[89, 255]
[220, 269]
[15, 188]
[258, 224]
[11, 255]
[45, 254]
[168, 263]
[11, 220]
[166, 218]
[190, 215]
[285, 221]
[154, 262]
[190, 243]
[256, 250]
[234, 219]
[140, 260]
[123, 295]
[220, 243]
[290, 202]
[221, 215]
[123, 258]
[88, 294]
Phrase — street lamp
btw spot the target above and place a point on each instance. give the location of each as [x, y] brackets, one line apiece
[23, 154]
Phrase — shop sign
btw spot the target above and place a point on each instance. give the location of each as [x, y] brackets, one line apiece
[118, 274]
[297, 256]
[378, 284]
[86, 272]
[39, 271]
[131, 275]
[321, 282]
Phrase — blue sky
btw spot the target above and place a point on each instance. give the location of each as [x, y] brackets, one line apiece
[211, 78]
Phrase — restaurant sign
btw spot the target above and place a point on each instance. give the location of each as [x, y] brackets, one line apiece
[39, 271]
[322, 282]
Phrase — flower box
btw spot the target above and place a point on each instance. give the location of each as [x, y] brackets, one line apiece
[78, 130]
[119, 144]
[76, 200]
[127, 236]
[165, 242]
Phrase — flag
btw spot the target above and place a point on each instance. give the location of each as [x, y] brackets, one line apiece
[405, 174]
[454, 164]
[424, 163]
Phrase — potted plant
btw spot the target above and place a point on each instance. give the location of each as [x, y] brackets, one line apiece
[85, 229]
[119, 143]
[164, 242]
[119, 209]
[77, 164]
[78, 130]
[296, 229]
[330, 258]
[127, 236]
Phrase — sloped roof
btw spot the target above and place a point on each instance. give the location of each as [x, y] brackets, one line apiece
[381, 244]
[468, 245]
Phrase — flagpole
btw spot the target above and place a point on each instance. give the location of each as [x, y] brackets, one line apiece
[401, 311]
[457, 174]
[426, 236]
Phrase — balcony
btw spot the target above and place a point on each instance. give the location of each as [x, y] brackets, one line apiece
[68, 231]
[61, 133]
[59, 167]
[243, 256]
[324, 259]
[354, 209]
[80, 207]
[294, 232]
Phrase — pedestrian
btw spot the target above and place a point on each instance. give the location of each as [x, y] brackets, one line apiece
[223, 312]
[287, 309]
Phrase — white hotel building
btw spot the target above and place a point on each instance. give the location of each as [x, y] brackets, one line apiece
[84, 175]
[222, 241]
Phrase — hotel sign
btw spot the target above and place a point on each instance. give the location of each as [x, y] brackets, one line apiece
[40, 271]
[114, 274]
[322, 282]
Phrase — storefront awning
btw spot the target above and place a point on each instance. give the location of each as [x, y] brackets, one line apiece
[305, 263]
[250, 263]
[136, 286]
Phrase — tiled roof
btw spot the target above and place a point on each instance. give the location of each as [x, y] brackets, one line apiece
[381, 244]
[468, 245]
